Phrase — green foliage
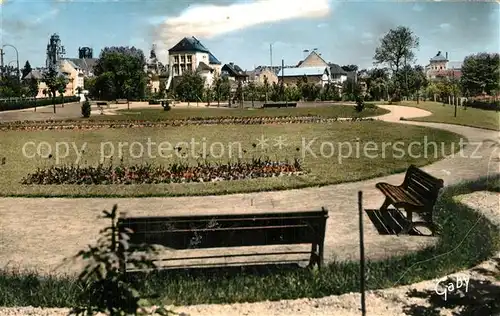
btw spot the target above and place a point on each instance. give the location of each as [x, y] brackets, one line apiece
[86, 109]
[50, 78]
[360, 103]
[9, 84]
[329, 93]
[190, 87]
[309, 90]
[106, 288]
[32, 87]
[239, 91]
[26, 69]
[396, 50]
[120, 74]
[481, 73]
[350, 68]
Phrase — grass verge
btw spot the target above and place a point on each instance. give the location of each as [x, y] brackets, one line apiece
[467, 117]
[459, 247]
[328, 153]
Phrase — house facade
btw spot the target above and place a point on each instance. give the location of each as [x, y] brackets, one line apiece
[260, 74]
[440, 67]
[316, 69]
[74, 74]
[190, 55]
[317, 75]
[234, 72]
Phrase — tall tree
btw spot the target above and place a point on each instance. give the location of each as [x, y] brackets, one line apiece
[50, 79]
[26, 69]
[118, 66]
[396, 50]
[190, 86]
[217, 85]
[480, 73]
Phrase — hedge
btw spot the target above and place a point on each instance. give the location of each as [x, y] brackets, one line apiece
[7, 105]
[484, 105]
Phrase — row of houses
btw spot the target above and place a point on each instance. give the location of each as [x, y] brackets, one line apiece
[191, 55]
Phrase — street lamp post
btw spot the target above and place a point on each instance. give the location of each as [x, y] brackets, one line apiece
[17, 58]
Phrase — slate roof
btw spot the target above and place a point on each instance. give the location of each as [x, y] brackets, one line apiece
[38, 74]
[234, 70]
[202, 66]
[439, 57]
[190, 44]
[34, 74]
[212, 60]
[86, 64]
[336, 69]
[304, 71]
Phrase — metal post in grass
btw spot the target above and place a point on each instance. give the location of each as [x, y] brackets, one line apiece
[361, 254]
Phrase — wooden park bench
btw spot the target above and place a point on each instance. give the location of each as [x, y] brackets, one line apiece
[280, 105]
[100, 106]
[418, 193]
[121, 101]
[221, 231]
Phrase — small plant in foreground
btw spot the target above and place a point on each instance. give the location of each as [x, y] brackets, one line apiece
[360, 104]
[86, 109]
[105, 285]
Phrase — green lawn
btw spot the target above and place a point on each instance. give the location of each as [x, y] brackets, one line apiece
[311, 143]
[459, 247]
[468, 117]
[202, 112]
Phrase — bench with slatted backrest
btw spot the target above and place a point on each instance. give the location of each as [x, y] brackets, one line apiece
[221, 231]
[417, 194]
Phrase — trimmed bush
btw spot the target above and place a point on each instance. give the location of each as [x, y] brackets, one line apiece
[20, 104]
[86, 109]
[360, 104]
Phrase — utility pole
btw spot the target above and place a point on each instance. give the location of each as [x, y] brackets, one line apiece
[271, 54]
[1, 62]
[282, 79]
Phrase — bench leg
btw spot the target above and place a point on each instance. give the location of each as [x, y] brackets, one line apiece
[386, 204]
[320, 255]
[409, 226]
[314, 256]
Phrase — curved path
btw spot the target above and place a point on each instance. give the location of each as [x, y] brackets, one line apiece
[39, 232]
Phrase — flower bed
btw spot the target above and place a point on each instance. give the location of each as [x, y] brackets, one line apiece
[50, 125]
[175, 173]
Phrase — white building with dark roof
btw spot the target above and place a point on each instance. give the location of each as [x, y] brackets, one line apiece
[190, 55]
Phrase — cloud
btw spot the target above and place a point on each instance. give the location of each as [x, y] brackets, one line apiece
[43, 17]
[445, 26]
[417, 8]
[209, 21]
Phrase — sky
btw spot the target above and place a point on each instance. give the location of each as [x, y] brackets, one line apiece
[344, 32]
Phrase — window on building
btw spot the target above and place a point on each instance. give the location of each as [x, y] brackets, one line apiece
[183, 59]
[441, 67]
[176, 59]
[189, 66]
[189, 59]
[176, 70]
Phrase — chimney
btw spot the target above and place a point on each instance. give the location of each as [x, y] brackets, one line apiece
[446, 55]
